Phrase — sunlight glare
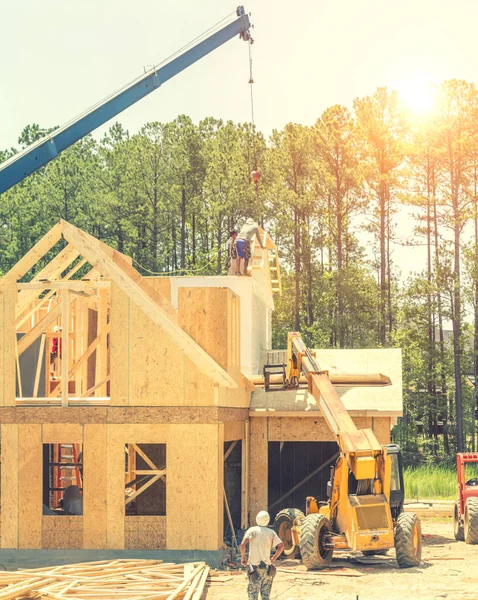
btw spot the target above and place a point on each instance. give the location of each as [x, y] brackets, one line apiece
[417, 95]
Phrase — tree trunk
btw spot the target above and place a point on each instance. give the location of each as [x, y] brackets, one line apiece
[183, 228]
[297, 249]
[457, 332]
[340, 297]
[383, 267]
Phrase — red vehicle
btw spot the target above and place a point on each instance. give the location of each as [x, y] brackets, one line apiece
[466, 507]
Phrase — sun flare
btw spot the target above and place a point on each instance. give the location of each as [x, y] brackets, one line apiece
[417, 94]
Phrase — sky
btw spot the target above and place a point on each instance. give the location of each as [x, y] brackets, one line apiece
[58, 58]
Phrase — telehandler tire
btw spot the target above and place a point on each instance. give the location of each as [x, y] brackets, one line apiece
[471, 521]
[457, 526]
[312, 541]
[408, 540]
[283, 524]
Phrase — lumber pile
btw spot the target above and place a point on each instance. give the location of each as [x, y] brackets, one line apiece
[120, 579]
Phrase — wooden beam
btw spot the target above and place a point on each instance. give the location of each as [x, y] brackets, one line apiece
[144, 456]
[140, 490]
[109, 269]
[27, 340]
[51, 271]
[78, 285]
[102, 353]
[95, 387]
[22, 318]
[39, 365]
[245, 479]
[33, 256]
[65, 345]
[230, 449]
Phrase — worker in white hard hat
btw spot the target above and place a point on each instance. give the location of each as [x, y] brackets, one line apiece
[260, 565]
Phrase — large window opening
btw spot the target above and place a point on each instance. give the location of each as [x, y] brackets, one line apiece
[232, 488]
[145, 479]
[298, 470]
[63, 479]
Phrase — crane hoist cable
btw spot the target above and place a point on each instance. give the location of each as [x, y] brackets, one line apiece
[255, 173]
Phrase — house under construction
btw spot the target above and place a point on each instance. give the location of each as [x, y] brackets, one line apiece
[130, 408]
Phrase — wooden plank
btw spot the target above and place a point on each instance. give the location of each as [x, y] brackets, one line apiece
[39, 366]
[158, 315]
[95, 487]
[102, 353]
[30, 486]
[245, 478]
[33, 256]
[66, 433]
[30, 291]
[45, 322]
[230, 449]
[95, 387]
[75, 285]
[9, 486]
[65, 345]
[258, 467]
[7, 345]
[115, 510]
[233, 430]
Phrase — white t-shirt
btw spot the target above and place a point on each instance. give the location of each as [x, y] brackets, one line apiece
[261, 541]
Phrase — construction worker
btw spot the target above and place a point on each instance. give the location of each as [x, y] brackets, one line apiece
[243, 244]
[231, 262]
[260, 567]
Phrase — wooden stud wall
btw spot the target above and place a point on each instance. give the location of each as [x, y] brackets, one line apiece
[8, 295]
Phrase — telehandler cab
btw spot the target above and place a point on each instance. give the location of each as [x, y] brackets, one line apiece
[466, 507]
[365, 493]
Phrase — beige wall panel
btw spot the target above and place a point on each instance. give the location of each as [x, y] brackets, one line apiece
[95, 487]
[239, 397]
[62, 533]
[297, 429]
[30, 486]
[233, 431]
[194, 514]
[8, 295]
[119, 347]
[115, 510]
[62, 433]
[145, 533]
[162, 285]
[9, 484]
[149, 433]
[381, 428]
[258, 467]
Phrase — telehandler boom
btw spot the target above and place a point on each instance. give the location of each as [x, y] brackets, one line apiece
[365, 493]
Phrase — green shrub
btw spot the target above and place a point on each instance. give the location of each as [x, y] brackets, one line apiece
[430, 482]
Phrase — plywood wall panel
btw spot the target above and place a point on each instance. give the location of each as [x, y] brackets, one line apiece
[297, 429]
[8, 295]
[381, 427]
[62, 433]
[95, 487]
[258, 466]
[233, 430]
[115, 509]
[193, 509]
[30, 486]
[9, 483]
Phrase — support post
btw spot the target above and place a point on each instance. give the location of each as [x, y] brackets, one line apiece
[65, 343]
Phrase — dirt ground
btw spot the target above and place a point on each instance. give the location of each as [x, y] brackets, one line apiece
[449, 569]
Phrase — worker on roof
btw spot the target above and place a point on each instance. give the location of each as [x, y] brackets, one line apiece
[260, 567]
[243, 244]
[231, 261]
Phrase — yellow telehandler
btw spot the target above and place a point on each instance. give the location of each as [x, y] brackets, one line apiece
[365, 493]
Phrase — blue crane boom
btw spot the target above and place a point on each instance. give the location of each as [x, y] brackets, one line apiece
[46, 149]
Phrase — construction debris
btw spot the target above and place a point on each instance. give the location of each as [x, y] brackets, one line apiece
[125, 579]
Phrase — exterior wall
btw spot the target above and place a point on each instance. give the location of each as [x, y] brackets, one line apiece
[292, 429]
[8, 298]
[255, 312]
[194, 488]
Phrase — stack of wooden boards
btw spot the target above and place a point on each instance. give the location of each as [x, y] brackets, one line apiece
[119, 579]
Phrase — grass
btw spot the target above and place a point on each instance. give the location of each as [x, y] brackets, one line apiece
[434, 482]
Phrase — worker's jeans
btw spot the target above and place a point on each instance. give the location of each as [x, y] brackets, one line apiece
[263, 586]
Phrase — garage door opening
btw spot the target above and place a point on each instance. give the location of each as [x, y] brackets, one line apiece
[294, 473]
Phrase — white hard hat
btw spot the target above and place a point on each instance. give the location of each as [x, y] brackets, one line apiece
[250, 221]
[263, 518]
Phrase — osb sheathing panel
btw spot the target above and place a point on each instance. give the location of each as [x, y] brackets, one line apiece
[296, 429]
[62, 533]
[115, 508]
[234, 431]
[195, 465]
[8, 295]
[30, 485]
[147, 368]
[9, 483]
[145, 533]
[162, 285]
[382, 427]
[53, 433]
[95, 487]
[258, 467]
